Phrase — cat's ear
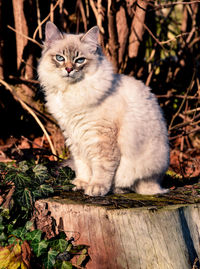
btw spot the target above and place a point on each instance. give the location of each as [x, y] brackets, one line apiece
[51, 33]
[91, 38]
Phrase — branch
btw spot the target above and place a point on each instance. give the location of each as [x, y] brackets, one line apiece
[26, 107]
[45, 19]
[183, 102]
[29, 38]
[174, 4]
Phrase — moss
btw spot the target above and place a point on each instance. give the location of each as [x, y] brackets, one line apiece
[180, 196]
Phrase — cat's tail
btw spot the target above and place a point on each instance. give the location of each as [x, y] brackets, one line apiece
[149, 188]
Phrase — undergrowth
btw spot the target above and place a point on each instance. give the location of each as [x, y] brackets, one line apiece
[22, 246]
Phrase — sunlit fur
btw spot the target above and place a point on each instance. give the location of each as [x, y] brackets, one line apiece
[112, 123]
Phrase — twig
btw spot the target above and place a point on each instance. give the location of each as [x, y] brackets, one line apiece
[161, 6]
[25, 79]
[174, 38]
[184, 133]
[26, 107]
[149, 31]
[45, 19]
[170, 95]
[96, 13]
[183, 102]
[27, 37]
[38, 18]
[81, 8]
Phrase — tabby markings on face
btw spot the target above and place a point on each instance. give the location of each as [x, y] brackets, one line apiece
[72, 61]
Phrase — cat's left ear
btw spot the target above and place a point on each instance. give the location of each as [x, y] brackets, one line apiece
[91, 38]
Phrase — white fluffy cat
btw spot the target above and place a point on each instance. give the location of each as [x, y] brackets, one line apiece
[112, 123]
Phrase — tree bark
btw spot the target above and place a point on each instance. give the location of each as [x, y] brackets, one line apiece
[137, 28]
[112, 30]
[127, 238]
[21, 42]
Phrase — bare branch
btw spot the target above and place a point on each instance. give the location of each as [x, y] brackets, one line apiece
[26, 107]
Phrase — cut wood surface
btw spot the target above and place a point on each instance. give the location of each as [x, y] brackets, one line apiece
[123, 233]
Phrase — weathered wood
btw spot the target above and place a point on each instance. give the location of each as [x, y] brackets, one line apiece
[139, 238]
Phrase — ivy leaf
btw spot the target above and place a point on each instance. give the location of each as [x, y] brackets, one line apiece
[26, 198]
[12, 240]
[82, 257]
[28, 225]
[50, 259]
[21, 179]
[66, 265]
[39, 248]
[66, 172]
[3, 237]
[59, 245]
[20, 233]
[41, 172]
[63, 265]
[34, 236]
[2, 227]
[46, 189]
[23, 167]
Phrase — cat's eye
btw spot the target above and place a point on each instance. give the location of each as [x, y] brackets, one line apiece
[59, 58]
[80, 60]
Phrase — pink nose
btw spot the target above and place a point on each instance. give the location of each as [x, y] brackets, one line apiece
[68, 69]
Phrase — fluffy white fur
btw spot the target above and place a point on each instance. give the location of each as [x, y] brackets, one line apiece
[112, 123]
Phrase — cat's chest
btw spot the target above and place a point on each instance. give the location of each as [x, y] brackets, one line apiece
[70, 115]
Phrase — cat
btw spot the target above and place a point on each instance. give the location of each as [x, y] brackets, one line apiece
[112, 123]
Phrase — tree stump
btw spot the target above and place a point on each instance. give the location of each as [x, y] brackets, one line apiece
[128, 231]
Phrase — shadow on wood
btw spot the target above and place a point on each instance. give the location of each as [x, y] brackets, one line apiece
[156, 237]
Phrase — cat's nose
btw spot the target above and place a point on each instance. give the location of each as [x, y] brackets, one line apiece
[68, 69]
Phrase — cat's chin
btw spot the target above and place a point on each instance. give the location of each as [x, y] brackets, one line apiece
[72, 79]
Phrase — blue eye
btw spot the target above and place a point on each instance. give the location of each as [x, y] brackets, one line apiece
[59, 58]
[80, 60]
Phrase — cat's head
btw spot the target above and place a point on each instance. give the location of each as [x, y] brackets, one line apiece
[69, 56]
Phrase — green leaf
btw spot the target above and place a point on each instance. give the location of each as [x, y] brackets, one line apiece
[26, 198]
[78, 249]
[39, 248]
[20, 233]
[63, 265]
[1, 219]
[66, 265]
[50, 259]
[34, 236]
[10, 228]
[28, 225]
[41, 172]
[46, 189]
[12, 240]
[22, 166]
[66, 174]
[82, 257]
[2, 227]
[3, 237]
[21, 179]
[59, 245]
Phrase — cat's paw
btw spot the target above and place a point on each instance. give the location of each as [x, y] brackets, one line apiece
[96, 190]
[121, 190]
[79, 183]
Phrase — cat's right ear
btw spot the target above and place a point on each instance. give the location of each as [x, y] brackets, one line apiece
[51, 33]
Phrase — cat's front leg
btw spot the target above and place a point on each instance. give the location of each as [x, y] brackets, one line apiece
[83, 174]
[102, 177]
